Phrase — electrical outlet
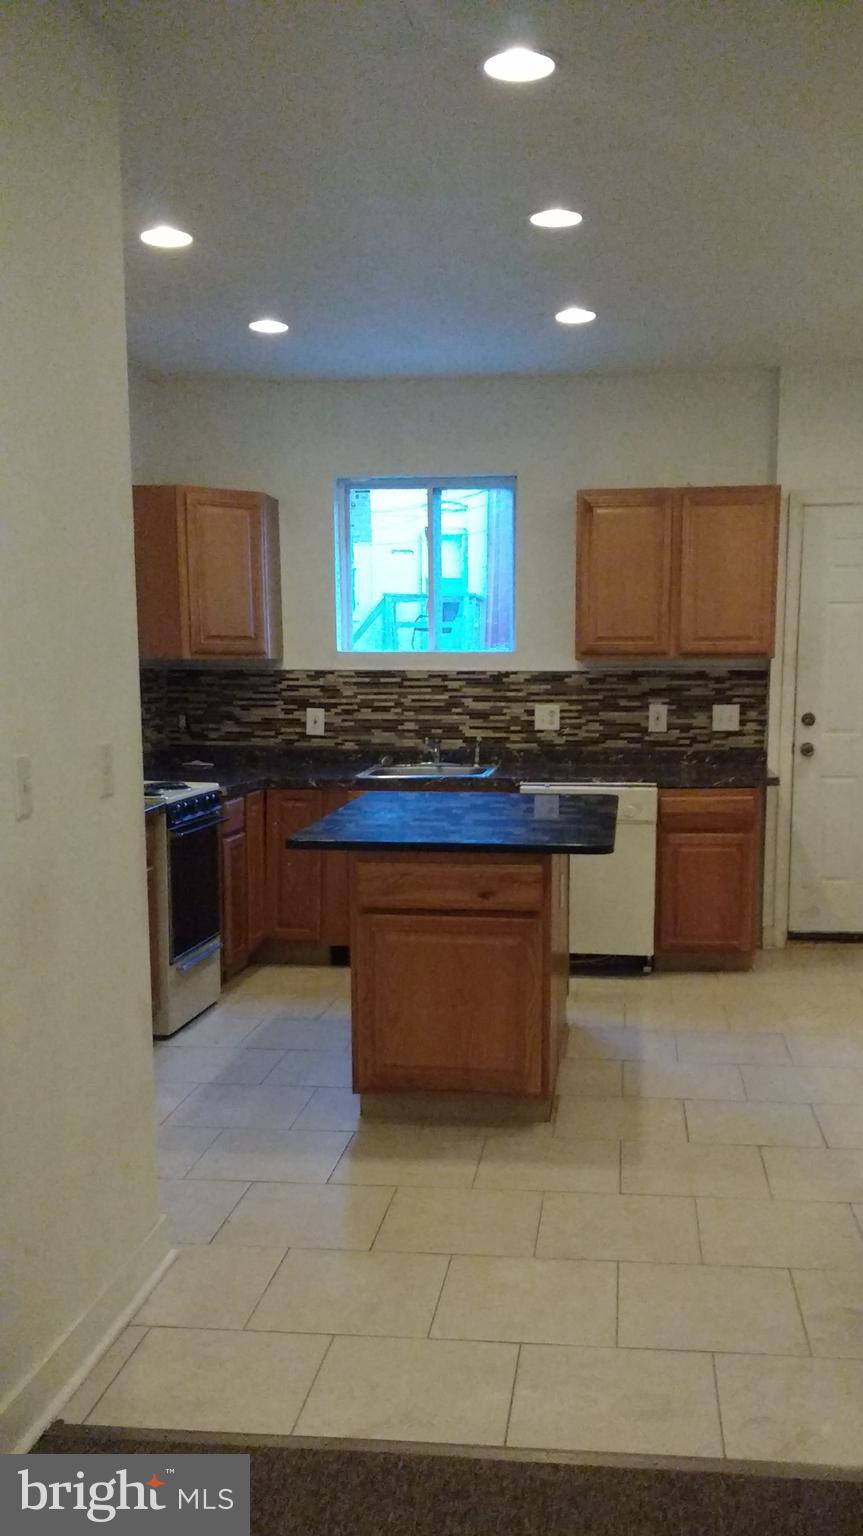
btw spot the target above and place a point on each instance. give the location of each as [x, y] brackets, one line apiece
[315, 722]
[546, 717]
[106, 770]
[23, 788]
[726, 717]
[657, 715]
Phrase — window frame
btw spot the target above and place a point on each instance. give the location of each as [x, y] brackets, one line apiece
[433, 485]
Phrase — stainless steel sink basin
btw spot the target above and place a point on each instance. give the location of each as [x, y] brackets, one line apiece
[427, 771]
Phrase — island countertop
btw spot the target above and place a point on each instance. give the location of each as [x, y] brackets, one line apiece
[488, 823]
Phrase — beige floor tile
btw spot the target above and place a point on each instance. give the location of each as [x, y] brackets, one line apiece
[84, 1400]
[210, 1287]
[431, 1390]
[196, 1208]
[168, 1096]
[817, 1173]
[391, 1294]
[621, 1119]
[838, 1048]
[651, 1227]
[582, 1078]
[650, 1169]
[832, 1305]
[701, 1306]
[631, 1401]
[804, 1085]
[438, 1157]
[298, 1157]
[339, 1010]
[590, 1008]
[681, 1080]
[307, 1216]
[321, 1069]
[842, 1124]
[299, 1032]
[779, 1233]
[330, 1109]
[755, 1125]
[241, 1106]
[212, 1064]
[480, 1221]
[226, 1024]
[735, 1046]
[804, 1411]
[538, 1301]
[526, 1161]
[213, 1379]
[180, 1146]
[794, 1006]
[670, 1014]
[617, 1043]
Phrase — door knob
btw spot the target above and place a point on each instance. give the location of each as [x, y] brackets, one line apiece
[808, 718]
[807, 749]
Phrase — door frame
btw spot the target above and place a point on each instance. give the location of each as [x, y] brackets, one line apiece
[783, 709]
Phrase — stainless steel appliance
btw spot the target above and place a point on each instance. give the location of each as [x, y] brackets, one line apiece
[187, 900]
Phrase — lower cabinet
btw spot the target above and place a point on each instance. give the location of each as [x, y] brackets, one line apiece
[294, 874]
[256, 857]
[708, 875]
[242, 865]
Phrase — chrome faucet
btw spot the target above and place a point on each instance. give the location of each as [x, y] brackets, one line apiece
[476, 747]
[433, 745]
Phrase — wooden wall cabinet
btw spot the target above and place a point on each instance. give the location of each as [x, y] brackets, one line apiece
[677, 573]
[207, 573]
[709, 860]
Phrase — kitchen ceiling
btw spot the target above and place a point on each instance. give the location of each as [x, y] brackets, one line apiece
[346, 166]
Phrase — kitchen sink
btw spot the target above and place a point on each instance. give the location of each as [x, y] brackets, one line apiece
[427, 771]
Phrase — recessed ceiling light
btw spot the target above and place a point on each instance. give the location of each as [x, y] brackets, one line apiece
[166, 237]
[268, 327]
[556, 218]
[574, 315]
[519, 65]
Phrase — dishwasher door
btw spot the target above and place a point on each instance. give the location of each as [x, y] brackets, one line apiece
[612, 896]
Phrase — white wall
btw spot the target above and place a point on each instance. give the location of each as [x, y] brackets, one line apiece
[555, 433]
[821, 428]
[81, 1229]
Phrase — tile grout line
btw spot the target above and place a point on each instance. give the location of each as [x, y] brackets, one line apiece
[698, 1231]
[617, 1306]
[770, 1194]
[519, 1348]
[120, 1367]
[312, 1383]
[226, 1218]
[718, 1404]
[279, 1264]
[377, 1232]
[800, 1310]
[439, 1295]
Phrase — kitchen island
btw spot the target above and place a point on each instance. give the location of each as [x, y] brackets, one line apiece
[459, 945]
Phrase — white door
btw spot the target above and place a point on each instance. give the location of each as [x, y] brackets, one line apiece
[826, 893]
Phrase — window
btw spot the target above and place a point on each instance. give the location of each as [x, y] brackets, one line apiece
[425, 565]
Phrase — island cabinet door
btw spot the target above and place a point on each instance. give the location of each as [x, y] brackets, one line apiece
[295, 874]
[256, 856]
[448, 1003]
[335, 910]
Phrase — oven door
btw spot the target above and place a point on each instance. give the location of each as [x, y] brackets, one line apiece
[193, 879]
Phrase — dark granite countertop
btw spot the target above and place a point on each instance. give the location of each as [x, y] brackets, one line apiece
[488, 823]
[240, 770]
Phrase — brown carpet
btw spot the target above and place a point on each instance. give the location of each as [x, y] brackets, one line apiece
[337, 1488]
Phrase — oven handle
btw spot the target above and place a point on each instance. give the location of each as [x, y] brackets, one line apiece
[197, 955]
[197, 826]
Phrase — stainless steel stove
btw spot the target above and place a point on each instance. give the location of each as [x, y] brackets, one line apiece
[187, 887]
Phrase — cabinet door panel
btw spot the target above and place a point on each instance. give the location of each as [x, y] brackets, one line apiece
[225, 548]
[624, 573]
[728, 541]
[235, 937]
[295, 874]
[706, 892]
[425, 982]
[257, 869]
[335, 911]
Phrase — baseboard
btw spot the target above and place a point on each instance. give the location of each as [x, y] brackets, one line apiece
[37, 1400]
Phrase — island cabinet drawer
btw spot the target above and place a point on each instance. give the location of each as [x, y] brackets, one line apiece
[429, 882]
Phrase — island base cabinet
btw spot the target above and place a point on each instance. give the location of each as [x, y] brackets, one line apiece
[709, 863]
[452, 992]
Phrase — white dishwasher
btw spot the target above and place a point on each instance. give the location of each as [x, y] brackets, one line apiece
[612, 896]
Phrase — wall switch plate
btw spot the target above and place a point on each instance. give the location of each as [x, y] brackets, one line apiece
[546, 717]
[726, 717]
[657, 715]
[106, 770]
[23, 788]
[315, 722]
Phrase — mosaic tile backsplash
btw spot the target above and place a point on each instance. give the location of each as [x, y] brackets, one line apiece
[598, 708]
